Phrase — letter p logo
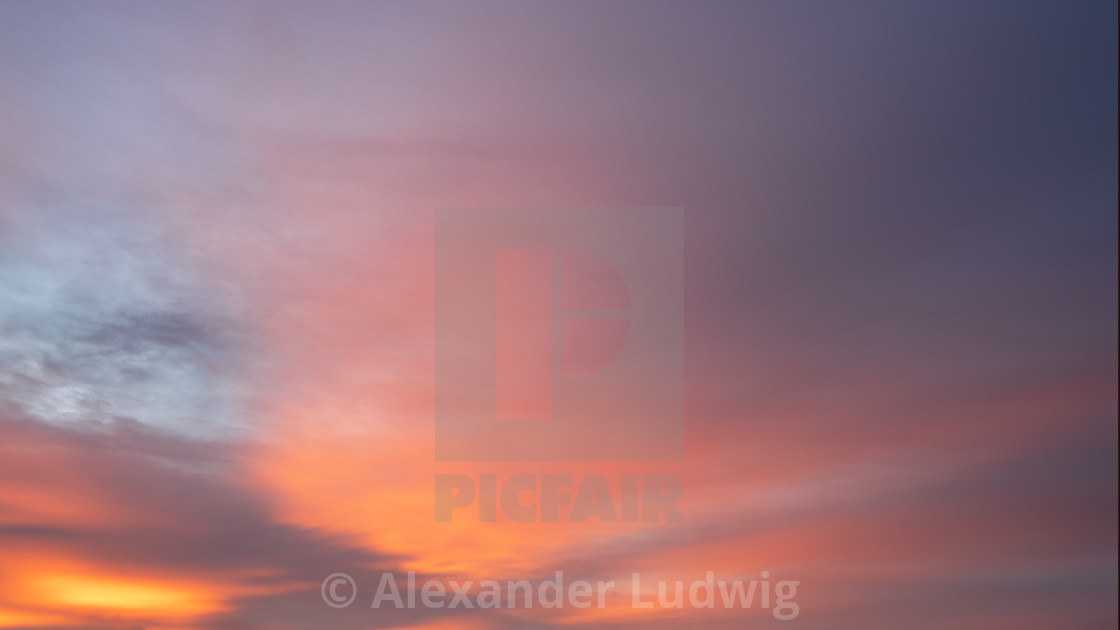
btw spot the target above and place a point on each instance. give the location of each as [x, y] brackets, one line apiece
[559, 334]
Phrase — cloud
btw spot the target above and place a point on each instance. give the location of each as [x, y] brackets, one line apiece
[216, 313]
[101, 322]
[127, 504]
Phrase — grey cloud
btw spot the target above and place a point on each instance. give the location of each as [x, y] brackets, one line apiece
[100, 321]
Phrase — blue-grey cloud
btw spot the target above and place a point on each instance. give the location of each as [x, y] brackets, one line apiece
[101, 321]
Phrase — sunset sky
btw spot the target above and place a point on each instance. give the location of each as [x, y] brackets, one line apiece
[218, 304]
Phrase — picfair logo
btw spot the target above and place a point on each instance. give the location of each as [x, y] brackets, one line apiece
[559, 334]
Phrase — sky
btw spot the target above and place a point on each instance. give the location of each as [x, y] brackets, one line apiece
[218, 303]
